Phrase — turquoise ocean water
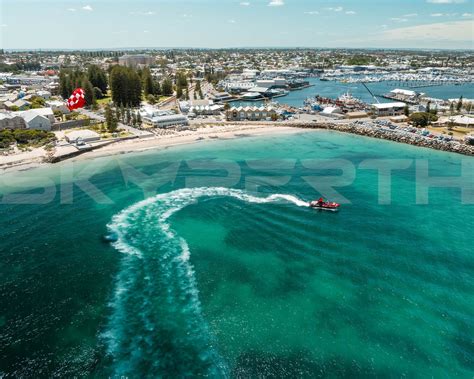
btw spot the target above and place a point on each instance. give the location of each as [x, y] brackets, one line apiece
[204, 260]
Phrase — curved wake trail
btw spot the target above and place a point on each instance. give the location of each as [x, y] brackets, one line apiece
[156, 327]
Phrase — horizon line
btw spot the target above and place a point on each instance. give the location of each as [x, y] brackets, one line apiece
[236, 48]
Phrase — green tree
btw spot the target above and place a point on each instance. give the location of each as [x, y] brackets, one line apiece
[139, 119]
[110, 119]
[197, 88]
[406, 111]
[89, 94]
[156, 88]
[459, 105]
[126, 86]
[179, 92]
[147, 82]
[151, 99]
[181, 80]
[97, 77]
[167, 87]
[129, 117]
[98, 93]
[122, 113]
[118, 114]
[422, 119]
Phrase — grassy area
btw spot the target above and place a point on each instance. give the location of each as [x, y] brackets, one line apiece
[105, 100]
[25, 138]
[101, 128]
[457, 131]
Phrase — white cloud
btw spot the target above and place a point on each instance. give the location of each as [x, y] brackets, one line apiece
[146, 31]
[311, 12]
[399, 19]
[453, 31]
[87, 8]
[335, 9]
[143, 13]
[3, 25]
[351, 12]
[410, 15]
[443, 14]
[467, 14]
[72, 9]
[231, 21]
[245, 3]
[276, 3]
[446, 1]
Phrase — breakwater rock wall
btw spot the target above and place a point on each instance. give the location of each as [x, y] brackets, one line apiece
[392, 135]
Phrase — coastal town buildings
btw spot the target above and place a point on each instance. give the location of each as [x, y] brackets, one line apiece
[136, 60]
[251, 114]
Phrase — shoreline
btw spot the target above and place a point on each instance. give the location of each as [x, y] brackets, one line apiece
[141, 145]
[33, 159]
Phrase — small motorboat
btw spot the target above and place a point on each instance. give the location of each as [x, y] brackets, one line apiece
[324, 205]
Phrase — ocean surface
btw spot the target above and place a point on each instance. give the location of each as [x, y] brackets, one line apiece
[334, 89]
[205, 260]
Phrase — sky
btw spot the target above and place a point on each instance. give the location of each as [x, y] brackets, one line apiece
[102, 24]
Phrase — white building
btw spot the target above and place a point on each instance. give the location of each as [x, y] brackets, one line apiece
[388, 109]
[458, 120]
[57, 105]
[82, 136]
[35, 121]
[45, 112]
[251, 114]
[200, 107]
[166, 121]
[44, 94]
[332, 112]
[137, 60]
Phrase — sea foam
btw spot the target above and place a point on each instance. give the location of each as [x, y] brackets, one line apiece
[156, 294]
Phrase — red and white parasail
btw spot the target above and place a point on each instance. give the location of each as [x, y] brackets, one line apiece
[76, 100]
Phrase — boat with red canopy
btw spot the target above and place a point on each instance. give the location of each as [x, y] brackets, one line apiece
[324, 205]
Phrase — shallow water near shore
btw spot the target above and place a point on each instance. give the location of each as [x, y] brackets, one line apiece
[214, 266]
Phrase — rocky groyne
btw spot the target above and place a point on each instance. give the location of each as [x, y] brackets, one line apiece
[392, 135]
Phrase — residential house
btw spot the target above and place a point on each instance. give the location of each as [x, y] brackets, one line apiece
[36, 121]
[19, 104]
[57, 105]
[11, 121]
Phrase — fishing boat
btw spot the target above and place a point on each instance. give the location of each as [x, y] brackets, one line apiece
[324, 205]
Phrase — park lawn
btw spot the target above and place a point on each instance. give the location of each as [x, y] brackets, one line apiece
[458, 131]
[105, 100]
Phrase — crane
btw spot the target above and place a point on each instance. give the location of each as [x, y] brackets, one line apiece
[375, 97]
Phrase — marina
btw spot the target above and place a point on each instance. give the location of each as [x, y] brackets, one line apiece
[335, 89]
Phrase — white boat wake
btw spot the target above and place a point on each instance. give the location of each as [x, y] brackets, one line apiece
[156, 310]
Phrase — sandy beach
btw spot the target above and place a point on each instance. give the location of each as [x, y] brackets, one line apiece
[35, 157]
